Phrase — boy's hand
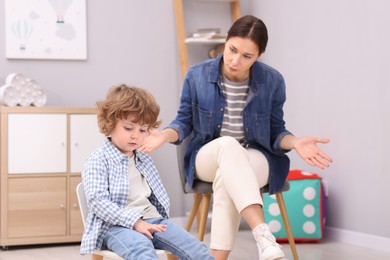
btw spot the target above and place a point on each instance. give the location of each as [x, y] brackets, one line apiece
[147, 229]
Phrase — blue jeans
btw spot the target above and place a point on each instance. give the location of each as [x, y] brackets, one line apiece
[133, 245]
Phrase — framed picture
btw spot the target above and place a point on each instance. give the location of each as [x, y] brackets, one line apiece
[46, 29]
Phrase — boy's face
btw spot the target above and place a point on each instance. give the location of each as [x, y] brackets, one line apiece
[128, 136]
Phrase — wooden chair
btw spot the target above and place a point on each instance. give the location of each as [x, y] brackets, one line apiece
[202, 196]
[99, 255]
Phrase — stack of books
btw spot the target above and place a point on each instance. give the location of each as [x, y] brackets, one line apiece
[207, 35]
[210, 33]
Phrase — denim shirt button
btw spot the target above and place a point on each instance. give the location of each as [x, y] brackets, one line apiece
[219, 126]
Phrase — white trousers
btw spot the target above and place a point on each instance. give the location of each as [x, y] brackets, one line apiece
[237, 175]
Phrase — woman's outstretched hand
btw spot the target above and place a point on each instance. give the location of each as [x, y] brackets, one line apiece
[155, 139]
[307, 148]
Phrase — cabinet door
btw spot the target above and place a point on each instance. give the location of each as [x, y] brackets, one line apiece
[84, 138]
[76, 223]
[36, 143]
[36, 207]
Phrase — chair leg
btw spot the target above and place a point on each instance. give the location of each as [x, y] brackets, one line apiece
[203, 215]
[170, 256]
[283, 211]
[97, 257]
[194, 211]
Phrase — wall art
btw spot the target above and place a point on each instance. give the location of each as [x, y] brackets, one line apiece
[46, 29]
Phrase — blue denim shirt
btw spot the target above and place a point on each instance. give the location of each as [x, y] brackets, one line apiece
[201, 111]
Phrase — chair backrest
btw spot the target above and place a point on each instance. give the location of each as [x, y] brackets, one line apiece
[82, 201]
[84, 213]
[180, 150]
[198, 186]
[286, 187]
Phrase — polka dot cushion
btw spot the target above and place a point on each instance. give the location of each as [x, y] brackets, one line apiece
[305, 203]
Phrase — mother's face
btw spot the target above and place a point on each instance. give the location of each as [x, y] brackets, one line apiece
[239, 55]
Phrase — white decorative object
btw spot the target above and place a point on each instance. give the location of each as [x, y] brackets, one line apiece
[22, 91]
[9, 96]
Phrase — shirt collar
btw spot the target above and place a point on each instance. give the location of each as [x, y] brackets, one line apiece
[113, 152]
[118, 156]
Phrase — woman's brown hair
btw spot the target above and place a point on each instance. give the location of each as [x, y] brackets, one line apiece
[250, 27]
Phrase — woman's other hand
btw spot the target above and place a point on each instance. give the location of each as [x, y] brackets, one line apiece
[309, 151]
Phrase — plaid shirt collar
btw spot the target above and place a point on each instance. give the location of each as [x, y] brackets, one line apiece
[117, 156]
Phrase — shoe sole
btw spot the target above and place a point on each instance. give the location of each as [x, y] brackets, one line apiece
[283, 257]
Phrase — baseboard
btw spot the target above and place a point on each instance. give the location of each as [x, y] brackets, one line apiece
[334, 234]
[358, 239]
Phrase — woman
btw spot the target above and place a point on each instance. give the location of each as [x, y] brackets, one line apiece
[233, 106]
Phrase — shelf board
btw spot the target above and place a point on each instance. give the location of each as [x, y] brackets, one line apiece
[203, 41]
[216, 0]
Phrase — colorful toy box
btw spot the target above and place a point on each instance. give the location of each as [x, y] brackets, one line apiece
[305, 204]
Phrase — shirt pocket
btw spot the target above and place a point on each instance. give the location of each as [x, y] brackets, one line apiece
[203, 120]
[262, 126]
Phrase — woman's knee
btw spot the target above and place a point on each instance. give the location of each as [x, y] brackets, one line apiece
[228, 142]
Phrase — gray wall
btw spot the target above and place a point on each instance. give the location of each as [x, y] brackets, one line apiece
[131, 42]
[335, 59]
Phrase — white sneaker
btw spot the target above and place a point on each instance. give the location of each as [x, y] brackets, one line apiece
[266, 243]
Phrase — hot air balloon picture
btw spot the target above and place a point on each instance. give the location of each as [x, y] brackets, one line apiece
[60, 7]
[46, 29]
[22, 30]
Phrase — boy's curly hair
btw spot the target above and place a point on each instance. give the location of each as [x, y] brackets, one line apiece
[123, 101]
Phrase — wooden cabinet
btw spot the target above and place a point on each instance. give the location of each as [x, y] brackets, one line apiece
[84, 135]
[76, 225]
[36, 207]
[36, 143]
[42, 153]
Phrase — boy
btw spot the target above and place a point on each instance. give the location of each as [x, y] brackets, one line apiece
[128, 205]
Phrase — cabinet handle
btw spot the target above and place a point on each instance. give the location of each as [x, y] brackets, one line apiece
[76, 144]
[75, 205]
[62, 206]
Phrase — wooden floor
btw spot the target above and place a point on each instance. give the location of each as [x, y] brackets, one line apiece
[245, 249]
